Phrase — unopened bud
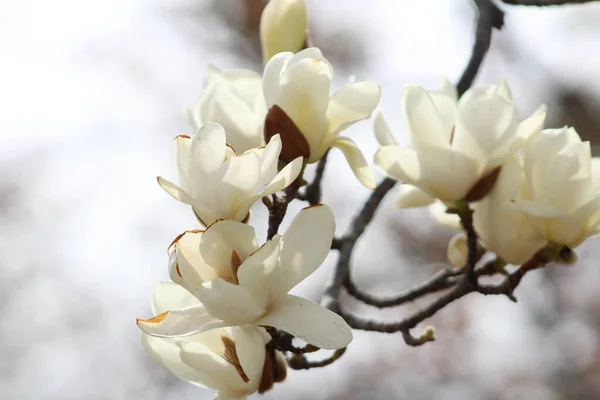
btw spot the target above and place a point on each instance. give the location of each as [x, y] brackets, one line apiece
[283, 25]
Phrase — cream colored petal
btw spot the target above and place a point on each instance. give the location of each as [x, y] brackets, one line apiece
[231, 303]
[306, 244]
[207, 150]
[356, 160]
[181, 322]
[170, 296]
[221, 239]
[423, 124]
[350, 104]
[269, 160]
[399, 163]
[308, 321]
[259, 272]
[175, 191]
[224, 376]
[190, 267]
[250, 347]
[411, 196]
[382, 132]
[272, 76]
[458, 250]
[283, 25]
[438, 211]
[529, 128]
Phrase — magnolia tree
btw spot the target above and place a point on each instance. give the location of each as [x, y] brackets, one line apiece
[523, 194]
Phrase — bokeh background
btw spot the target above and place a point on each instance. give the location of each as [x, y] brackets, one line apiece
[91, 96]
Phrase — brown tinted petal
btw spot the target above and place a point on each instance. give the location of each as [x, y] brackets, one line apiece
[293, 142]
[483, 186]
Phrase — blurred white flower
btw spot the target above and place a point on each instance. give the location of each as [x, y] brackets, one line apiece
[239, 283]
[456, 146]
[503, 230]
[283, 26]
[218, 183]
[309, 120]
[562, 193]
[233, 99]
[229, 360]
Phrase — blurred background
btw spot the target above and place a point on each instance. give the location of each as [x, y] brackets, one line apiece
[91, 96]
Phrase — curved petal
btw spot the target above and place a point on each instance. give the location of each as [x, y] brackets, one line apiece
[424, 126]
[165, 352]
[306, 244]
[221, 239]
[250, 348]
[207, 150]
[382, 132]
[231, 303]
[534, 208]
[350, 104]
[411, 196]
[399, 163]
[283, 27]
[308, 321]
[269, 160]
[356, 160]
[175, 191]
[170, 296]
[223, 375]
[438, 211]
[190, 265]
[458, 250]
[272, 75]
[182, 322]
[529, 128]
[257, 273]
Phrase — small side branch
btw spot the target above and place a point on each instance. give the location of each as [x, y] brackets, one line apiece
[300, 361]
[313, 191]
[278, 207]
[490, 16]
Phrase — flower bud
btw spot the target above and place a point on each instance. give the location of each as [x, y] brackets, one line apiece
[283, 27]
[458, 250]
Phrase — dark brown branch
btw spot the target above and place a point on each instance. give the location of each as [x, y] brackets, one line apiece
[278, 207]
[345, 245]
[490, 16]
[440, 281]
[313, 192]
[466, 220]
[300, 362]
[543, 3]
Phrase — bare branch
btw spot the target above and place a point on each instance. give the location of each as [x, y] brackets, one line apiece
[278, 207]
[300, 362]
[312, 193]
[490, 16]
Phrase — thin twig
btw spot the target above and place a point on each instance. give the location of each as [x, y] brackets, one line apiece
[313, 192]
[490, 16]
[300, 362]
[279, 205]
[345, 245]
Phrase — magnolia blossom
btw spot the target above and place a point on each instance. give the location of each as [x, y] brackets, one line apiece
[297, 92]
[508, 233]
[283, 25]
[457, 147]
[217, 182]
[239, 283]
[233, 99]
[562, 187]
[229, 360]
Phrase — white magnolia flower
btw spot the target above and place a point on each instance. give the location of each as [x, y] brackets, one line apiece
[229, 360]
[454, 144]
[233, 99]
[297, 92]
[283, 25]
[218, 183]
[562, 194]
[503, 230]
[239, 283]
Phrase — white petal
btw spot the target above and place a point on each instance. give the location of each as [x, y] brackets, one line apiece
[350, 104]
[269, 160]
[175, 191]
[356, 160]
[306, 244]
[399, 163]
[164, 351]
[223, 375]
[382, 132]
[308, 321]
[231, 303]
[458, 250]
[529, 128]
[448, 88]
[207, 150]
[438, 211]
[181, 322]
[534, 208]
[181, 160]
[283, 27]
[272, 76]
[258, 273]
[221, 239]
[170, 296]
[250, 347]
[424, 126]
[190, 266]
[411, 196]
[284, 178]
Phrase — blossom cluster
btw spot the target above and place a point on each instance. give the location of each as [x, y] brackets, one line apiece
[528, 189]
